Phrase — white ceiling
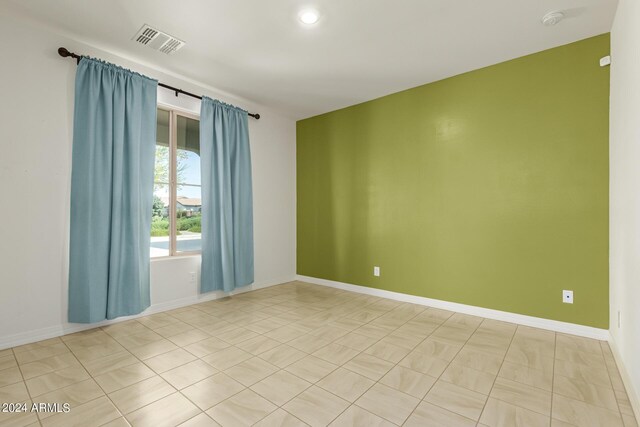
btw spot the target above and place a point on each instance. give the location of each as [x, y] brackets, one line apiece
[359, 50]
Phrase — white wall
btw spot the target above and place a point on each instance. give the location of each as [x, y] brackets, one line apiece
[625, 192]
[36, 114]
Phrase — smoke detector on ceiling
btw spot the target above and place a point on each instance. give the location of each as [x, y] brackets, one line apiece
[552, 18]
[158, 40]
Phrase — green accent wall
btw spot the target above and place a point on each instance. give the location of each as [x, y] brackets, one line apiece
[489, 188]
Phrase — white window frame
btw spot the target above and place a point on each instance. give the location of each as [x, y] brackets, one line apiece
[174, 113]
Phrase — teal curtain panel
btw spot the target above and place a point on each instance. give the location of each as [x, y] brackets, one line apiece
[227, 201]
[114, 138]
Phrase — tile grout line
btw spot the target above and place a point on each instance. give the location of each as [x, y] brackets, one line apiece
[141, 361]
[351, 330]
[132, 355]
[398, 364]
[249, 387]
[338, 366]
[13, 352]
[611, 382]
[307, 333]
[513, 335]
[311, 311]
[90, 375]
[443, 371]
[341, 366]
[378, 381]
[589, 383]
[179, 391]
[530, 368]
[219, 371]
[101, 388]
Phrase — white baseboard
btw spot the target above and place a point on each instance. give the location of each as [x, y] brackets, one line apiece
[65, 329]
[521, 319]
[634, 397]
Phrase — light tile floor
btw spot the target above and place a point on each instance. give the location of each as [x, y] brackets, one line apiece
[299, 354]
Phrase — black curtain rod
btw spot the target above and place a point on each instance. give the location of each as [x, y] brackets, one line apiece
[66, 54]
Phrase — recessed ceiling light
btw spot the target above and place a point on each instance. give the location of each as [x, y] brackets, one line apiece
[309, 17]
[552, 18]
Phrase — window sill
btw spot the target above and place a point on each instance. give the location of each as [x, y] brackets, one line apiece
[175, 257]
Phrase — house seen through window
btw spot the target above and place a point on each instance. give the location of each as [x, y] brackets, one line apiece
[177, 199]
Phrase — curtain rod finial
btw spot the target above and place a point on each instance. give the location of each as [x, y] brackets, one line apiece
[62, 51]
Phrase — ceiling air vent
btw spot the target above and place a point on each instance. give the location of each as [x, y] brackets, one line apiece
[157, 40]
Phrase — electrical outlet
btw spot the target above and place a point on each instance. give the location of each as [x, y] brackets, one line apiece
[193, 277]
[376, 271]
[567, 297]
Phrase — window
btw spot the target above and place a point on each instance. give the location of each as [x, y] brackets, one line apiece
[175, 225]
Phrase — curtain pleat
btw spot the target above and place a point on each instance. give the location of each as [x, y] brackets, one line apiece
[227, 201]
[114, 138]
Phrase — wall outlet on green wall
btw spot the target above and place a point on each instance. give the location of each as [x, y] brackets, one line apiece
[567, 297]
[376, 271]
